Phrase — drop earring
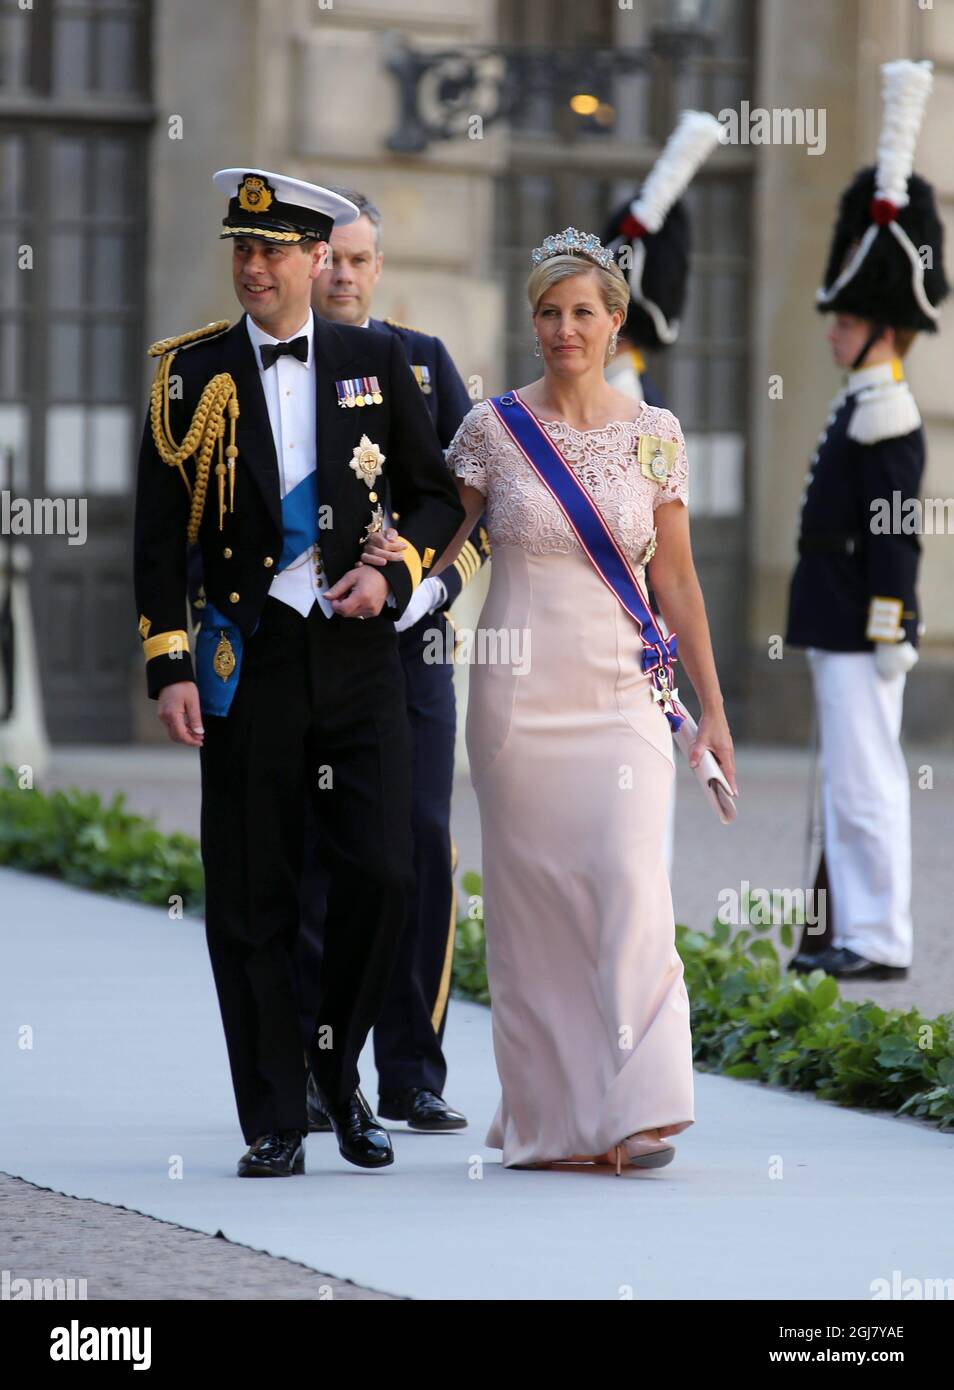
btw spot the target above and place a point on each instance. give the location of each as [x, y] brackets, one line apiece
[612, 344]
[536, 346]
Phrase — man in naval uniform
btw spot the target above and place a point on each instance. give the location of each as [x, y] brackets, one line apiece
[853, 602]
[255, 449]
[650, 238]
[408, 1035]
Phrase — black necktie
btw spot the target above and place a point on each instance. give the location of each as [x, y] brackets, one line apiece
[298, 347]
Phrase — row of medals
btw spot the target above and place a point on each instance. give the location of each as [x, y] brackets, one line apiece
[365, 398]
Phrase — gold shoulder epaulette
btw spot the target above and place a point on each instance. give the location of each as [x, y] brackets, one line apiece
[165, 345]
[216, 411]
[394, 324]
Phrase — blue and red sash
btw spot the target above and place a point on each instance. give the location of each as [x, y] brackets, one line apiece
[597, 540]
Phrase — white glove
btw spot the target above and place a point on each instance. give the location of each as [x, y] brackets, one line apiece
[894, 659]
[428, 595]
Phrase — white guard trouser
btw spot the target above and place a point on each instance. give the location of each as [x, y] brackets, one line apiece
[866, 805]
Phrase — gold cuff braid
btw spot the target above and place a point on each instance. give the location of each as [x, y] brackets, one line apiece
[412, 558]
[165, 644]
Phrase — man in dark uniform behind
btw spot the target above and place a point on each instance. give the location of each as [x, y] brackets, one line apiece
[408, 1035]
[296, 694]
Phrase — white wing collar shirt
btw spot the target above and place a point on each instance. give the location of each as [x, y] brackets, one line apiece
[290, 395]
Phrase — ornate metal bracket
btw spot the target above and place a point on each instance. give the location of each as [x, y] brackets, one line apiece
[441, 91]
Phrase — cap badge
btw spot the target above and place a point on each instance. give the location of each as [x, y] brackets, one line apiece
[254, 194]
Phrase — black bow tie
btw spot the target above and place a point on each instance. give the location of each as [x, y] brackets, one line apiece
[298, 347]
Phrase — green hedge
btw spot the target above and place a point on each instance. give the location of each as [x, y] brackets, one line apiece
[753, 1019]
[72, 835]
[750, 1017]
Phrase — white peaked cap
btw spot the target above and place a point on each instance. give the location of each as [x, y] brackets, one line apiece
[280, 208]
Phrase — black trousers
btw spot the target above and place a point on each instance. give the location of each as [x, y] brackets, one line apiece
[318, 721]
[409, 1032]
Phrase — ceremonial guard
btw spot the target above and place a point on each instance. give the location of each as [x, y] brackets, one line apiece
[853, 603]
[408, 1035]
[255, 449]
[650, 239]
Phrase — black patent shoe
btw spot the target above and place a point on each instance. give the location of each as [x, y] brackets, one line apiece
[274, 1156]
[318, 1122]
[848, 965]
[361, 1140]
[806, 961]
[422, 1109]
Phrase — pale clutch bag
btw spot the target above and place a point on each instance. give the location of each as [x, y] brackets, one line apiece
[708, 773]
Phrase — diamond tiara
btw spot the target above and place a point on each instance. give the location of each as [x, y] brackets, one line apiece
[571, 242]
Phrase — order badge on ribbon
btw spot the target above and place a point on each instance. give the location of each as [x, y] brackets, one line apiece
[368, 463]
[657, 663]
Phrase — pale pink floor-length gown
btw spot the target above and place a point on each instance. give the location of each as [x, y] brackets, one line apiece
[572, 765]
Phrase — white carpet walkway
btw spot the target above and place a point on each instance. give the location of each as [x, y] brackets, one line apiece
[128, 1070]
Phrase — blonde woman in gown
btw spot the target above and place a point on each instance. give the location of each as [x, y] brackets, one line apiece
[572, 759]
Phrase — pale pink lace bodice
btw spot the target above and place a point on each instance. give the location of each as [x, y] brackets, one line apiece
[521, 510]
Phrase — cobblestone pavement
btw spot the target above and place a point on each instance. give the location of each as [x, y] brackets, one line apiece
[123, 1255]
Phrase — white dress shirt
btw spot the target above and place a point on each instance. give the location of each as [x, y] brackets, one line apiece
[290, 395]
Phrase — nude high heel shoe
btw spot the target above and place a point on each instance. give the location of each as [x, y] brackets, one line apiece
[644, 1153]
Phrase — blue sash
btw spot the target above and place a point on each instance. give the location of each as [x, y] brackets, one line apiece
[215, 694]
[300, 531]
[299, 520]
[597, 540]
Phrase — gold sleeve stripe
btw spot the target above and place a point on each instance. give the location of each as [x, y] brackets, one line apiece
[165, 642]
[468, 562]
[412, 559]
[884, 619]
